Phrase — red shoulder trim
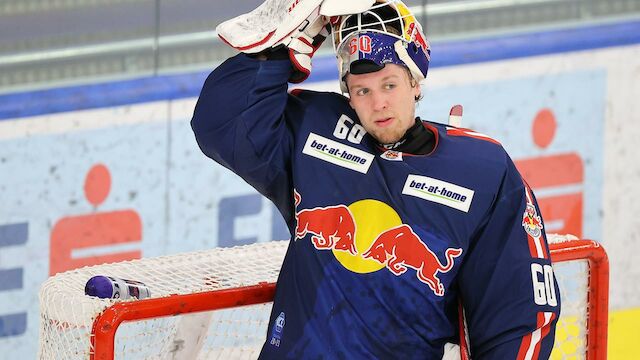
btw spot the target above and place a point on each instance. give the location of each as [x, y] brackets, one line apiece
[470, 133]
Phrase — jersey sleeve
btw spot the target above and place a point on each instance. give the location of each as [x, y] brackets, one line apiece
[510, 296]
[241, 121]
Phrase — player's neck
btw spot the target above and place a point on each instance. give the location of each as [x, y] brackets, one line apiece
[418, 140]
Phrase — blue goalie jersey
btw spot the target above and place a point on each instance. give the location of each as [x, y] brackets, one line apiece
[385, 246]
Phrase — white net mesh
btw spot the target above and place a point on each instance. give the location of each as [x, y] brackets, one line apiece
[571, 330]
[573, 281]
[67, 315]
[236, 333]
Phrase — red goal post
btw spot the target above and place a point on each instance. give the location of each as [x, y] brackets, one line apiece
[597, 310]
[221, 297]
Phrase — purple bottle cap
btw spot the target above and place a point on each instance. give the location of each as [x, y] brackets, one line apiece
[99, 286]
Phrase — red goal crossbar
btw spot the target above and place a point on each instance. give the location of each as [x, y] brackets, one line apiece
[105, 326]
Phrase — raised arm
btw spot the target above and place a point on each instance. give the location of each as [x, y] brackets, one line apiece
[244, 118]
[240, 121]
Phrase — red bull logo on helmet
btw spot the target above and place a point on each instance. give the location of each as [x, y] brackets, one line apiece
[414, 33]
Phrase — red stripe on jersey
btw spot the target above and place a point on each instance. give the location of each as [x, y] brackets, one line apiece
[544, 331]
[532, 246]
[470, 133]
[526, 341]
[464, 345]
[531, 343]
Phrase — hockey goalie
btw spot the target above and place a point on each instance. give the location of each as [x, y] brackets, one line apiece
[410, 238]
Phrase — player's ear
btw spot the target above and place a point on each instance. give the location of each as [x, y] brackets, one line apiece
[417, 93]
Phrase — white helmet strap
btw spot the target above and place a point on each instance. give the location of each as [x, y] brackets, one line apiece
[406, 59]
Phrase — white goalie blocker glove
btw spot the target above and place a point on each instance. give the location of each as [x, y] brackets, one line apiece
[302, 47]
[299, 25]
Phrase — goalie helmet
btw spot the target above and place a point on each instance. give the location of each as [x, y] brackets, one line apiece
[385, 33]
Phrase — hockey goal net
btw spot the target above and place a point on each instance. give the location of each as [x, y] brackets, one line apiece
[215, 304]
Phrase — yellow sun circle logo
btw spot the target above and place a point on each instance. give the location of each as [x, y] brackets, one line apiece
[372, 218]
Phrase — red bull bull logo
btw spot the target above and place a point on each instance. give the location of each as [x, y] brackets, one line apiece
[332, 227]
[532, 224]
[414, 33]
[400, 248]
[531, 221]
[387, 243]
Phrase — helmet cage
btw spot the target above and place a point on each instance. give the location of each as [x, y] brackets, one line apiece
[388, 17]
[381, 17]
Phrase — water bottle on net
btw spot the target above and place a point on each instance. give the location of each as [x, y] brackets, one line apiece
[107, 287]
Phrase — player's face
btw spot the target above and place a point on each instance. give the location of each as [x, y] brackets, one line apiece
[384, 101]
